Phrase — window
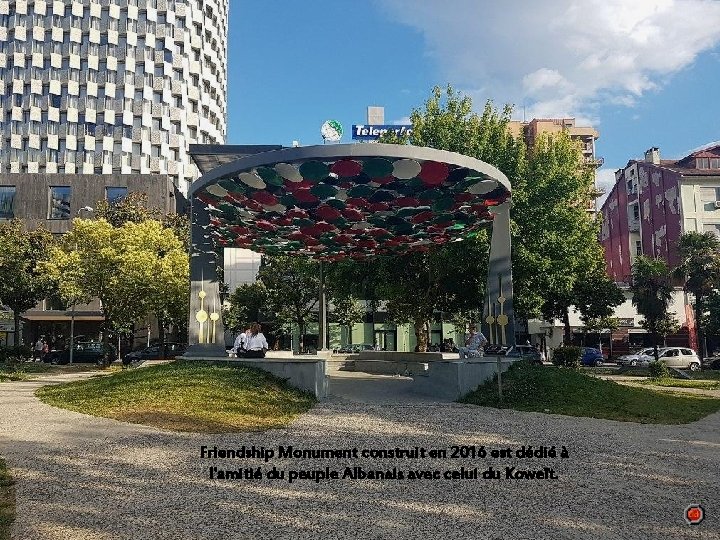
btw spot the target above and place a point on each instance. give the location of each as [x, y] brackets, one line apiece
[638, 247]
[7, 197]
[59, 204]
[114, 195]
[711, 227]
[636, 211]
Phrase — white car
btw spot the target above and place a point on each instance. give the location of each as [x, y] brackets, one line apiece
[679, 357]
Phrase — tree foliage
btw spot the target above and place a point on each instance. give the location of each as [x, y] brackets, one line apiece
[699, 269]
[293, 285]
[247, 302]
[347, 311]
[135, 269]
[22, 286]
[555, 247]
[651, 285]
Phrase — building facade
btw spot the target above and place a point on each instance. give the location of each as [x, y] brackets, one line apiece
[652, 203]
[586, 135]
[51, 201]
[111, 86]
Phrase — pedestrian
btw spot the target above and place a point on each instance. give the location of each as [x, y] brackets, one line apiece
[240, 345]
[256, 344]
[473, 344]
[38, 349]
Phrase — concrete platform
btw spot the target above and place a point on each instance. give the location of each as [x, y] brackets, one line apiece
[305, 372]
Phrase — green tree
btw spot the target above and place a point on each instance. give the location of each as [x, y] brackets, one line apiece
[347, 311]
[554, 237]
[135, 269]
[293, 289]
[247, 302]
[22, 286]
[596, 297]
[699, 268]
[555, 246]
[651, 285]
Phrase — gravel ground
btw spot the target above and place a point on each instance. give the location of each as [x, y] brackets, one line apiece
[80, 477]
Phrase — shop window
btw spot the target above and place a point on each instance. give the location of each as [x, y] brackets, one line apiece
[59, 203]
[7, 199]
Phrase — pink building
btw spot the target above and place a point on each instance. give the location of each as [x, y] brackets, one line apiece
[653, 202]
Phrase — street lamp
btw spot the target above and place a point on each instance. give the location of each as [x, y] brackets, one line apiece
[72, 313]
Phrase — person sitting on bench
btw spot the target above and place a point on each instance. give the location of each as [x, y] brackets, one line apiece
[473, 345]
[256, 344]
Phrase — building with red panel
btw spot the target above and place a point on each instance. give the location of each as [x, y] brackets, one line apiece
[652, 203]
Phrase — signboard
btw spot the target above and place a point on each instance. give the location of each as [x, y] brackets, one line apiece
[625, 321]
[363, 132]
[331, 131]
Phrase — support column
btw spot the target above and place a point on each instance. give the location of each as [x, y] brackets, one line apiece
[322, 313]
[206, 333]
[498, 324]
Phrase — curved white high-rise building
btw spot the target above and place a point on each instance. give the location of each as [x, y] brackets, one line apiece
[111, 86]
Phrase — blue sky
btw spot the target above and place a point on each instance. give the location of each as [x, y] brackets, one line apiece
[644, 73]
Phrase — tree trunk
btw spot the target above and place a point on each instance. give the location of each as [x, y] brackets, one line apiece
[421, 335]
[161, 336]
[567, 336]
[106, 346]
[16, 319]
[698, 331]
[655, 342]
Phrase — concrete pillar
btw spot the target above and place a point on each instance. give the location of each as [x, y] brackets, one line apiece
[206, 333]
[322, 314]
[498, 322]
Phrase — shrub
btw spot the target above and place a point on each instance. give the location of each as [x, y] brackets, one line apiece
[568, 357]
[658, 370]
[12, 354]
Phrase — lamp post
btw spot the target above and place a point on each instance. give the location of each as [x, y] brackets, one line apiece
[72, 313]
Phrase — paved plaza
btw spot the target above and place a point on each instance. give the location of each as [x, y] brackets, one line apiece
[81, 477]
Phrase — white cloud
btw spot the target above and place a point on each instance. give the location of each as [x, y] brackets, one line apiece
[604, 181]
[561, 57]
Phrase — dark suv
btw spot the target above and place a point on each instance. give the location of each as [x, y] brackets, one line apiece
[153, 353]
[84, 352]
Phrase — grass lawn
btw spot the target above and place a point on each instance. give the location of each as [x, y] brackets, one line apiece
[185, 396]
[22, 371]
[684, 383]
[31, 370]
[563, 391]
[7, 501]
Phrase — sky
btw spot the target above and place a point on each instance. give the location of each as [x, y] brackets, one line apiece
[644, 73]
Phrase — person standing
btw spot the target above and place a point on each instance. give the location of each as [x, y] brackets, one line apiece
[473, 344]
[256, 344]
[38, 349]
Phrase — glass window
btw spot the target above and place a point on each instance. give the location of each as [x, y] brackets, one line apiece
[59, 205]
[7, 197]
[114, 195]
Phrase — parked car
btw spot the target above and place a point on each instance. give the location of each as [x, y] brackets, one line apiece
[495, 350]
[83, 352]
[591, 357]
[153, 353]
[350, 349]
[679, 357]
[712, 362]
[527, 352]
[639, 358]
